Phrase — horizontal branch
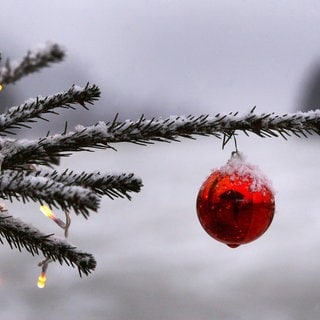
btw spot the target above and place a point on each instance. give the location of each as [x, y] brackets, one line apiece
[102, 135]
[21, 235]
[16, 117]
[33, 61]
[47, 150]
[113, 185]
[146, 131]
[25, 186]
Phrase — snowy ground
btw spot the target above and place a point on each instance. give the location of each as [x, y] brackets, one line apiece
[160, 58]
[156, 262]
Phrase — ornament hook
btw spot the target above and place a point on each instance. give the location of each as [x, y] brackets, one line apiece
[227, 136]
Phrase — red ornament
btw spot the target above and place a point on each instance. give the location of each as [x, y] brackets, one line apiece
[235, 204]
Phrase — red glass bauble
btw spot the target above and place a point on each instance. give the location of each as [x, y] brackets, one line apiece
[235, 205]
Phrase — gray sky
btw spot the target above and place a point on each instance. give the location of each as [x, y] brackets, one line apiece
[176, 57]
[163, 57]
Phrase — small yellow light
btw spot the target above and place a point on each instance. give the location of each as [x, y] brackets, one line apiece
[1, 87]
[47, 212]
[42, 280]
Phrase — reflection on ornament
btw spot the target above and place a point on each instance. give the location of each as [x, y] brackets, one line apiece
[235, 205]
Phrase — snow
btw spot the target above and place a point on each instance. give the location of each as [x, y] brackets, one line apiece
[153, 250]
[77, 88]
[157, 235]
[237, 166]
[42, 48]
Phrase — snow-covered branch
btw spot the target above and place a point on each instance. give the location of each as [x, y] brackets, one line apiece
[33, 61]
[25, 186]
[16, 117]
[102, 135]
[67, 190]
[21, 235]
[169, 129]
[146, 131]
[113, 185]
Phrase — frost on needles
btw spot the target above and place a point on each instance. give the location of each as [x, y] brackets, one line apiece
[28, 170]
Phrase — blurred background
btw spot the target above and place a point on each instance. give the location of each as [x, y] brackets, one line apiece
[160, 58]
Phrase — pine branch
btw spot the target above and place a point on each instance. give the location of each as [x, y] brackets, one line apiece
[170, 129]
[20, 235]
[16, 117]
[264, 125]
[25, 186]
[33, 61]
[47, 150]
[19, 153]
[112, 185]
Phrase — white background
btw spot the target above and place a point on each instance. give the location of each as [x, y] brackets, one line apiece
[162, 58]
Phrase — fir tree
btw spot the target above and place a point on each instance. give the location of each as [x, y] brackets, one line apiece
[28, 166]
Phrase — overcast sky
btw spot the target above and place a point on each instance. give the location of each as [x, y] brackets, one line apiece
[162, 57]
[176, 57]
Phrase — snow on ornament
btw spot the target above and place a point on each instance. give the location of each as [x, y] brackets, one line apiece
[235, 205]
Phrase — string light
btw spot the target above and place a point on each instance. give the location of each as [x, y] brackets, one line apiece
[42, 280]
[43, 277]
[65, 226]
[48, 213]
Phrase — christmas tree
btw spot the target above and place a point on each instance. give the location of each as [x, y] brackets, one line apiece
[29, 168]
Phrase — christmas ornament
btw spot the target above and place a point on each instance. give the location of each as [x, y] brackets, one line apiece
[235, 205]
